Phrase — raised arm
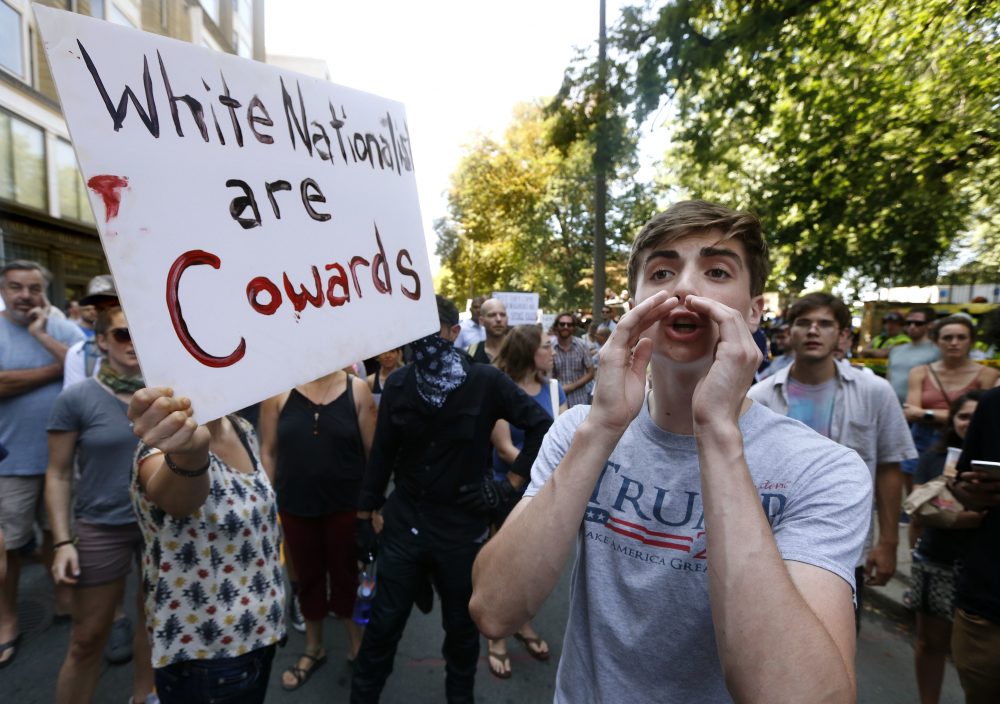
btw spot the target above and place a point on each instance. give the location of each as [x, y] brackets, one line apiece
[773, 620]
[511, 581]
[165, 423]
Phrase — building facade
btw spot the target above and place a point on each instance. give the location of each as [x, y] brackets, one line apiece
[45, 213]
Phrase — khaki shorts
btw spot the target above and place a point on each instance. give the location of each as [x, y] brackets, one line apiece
[19, 500]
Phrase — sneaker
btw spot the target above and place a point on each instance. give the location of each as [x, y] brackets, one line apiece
[295, 616]
[118, 651]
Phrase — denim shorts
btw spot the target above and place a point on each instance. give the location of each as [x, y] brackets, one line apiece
[241, 679]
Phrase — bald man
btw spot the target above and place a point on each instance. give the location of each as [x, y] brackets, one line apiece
[493, 316]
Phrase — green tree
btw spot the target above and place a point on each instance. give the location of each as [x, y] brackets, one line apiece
[864, 133]
[520, 215]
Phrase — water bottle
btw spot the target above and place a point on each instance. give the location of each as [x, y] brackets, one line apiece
[366, 594]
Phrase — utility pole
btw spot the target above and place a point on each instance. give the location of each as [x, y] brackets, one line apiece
[600, 163]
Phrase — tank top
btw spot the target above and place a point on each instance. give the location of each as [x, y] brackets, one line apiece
[321, 460]
[931, 395]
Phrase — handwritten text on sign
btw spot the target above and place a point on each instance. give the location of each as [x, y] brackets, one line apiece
[262, 227]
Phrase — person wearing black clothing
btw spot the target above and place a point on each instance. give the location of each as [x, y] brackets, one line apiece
[934, 557]
[975, 640]
[433, 433]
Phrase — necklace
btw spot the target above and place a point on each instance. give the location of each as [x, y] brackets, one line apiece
[317, 407]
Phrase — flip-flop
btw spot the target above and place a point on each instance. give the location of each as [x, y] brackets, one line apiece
[534, 647]
[9, 645]
[302, 676]
[504, 659]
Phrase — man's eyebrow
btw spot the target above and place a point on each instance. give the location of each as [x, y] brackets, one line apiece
[705, 252]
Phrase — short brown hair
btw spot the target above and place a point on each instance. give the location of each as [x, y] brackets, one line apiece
[695, 217]
[103, 322]
[821, 299]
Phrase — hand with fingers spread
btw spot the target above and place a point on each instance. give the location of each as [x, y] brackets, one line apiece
[165, 422]
[720, 394]
[620, 394]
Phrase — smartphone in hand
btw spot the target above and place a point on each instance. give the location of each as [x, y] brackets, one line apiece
[991, 468]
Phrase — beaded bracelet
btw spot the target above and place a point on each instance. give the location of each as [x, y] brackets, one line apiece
[189, 473]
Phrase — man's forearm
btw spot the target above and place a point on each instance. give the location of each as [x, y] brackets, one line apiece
[766, 632]
[20, 381]
[888, 500]
[510, 582]
[53, 347]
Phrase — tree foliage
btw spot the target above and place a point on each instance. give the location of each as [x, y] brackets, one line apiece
[520, 215]
[864, 132]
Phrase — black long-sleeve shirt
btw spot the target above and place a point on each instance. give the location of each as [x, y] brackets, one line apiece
[432, 452]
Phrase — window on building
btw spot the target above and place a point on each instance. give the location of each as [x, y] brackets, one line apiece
[211, 8]
[11, 40]
[22, 162]
[73, 202]
[243, 48]
[97, 9]
[244, 10]
[118, 17]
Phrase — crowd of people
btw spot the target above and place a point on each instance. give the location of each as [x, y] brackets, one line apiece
[647, 440]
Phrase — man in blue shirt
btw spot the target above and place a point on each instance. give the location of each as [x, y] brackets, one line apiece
[32, 351]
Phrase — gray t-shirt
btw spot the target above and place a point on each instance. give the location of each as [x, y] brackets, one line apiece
[104, 449]
[22, 417]
[903, 358]
[640, 624]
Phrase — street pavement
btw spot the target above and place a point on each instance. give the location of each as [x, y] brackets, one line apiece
[885, 656]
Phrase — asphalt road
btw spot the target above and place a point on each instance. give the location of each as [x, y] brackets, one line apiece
[885, 661]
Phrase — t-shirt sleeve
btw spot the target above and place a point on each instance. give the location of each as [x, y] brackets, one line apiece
[67, 333]
[895, 443]
[827, 519]
[554, 447]
[65, 415]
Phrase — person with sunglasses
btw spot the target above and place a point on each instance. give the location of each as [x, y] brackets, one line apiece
[573, 366]
[96, 547]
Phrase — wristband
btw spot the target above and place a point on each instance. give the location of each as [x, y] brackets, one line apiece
[61, 543]
[189, 473]
[928, 415]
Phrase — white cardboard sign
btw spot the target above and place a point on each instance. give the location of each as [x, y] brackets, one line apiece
[522, 308]
[262, 226]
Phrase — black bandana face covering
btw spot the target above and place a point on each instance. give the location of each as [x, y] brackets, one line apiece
[439, 368]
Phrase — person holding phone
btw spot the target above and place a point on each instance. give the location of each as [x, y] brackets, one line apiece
[975, 639]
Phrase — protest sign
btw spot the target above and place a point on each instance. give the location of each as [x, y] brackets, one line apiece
[522, 308]
[262, 226]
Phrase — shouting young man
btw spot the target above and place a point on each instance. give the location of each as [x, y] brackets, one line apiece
[716, 540]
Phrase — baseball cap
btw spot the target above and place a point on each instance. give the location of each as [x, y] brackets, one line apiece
[102, 286]
[892, 316]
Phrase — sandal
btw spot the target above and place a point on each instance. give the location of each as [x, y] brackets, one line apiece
[9, 645]
[503, 672]
[302, 676]
[534, 647]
